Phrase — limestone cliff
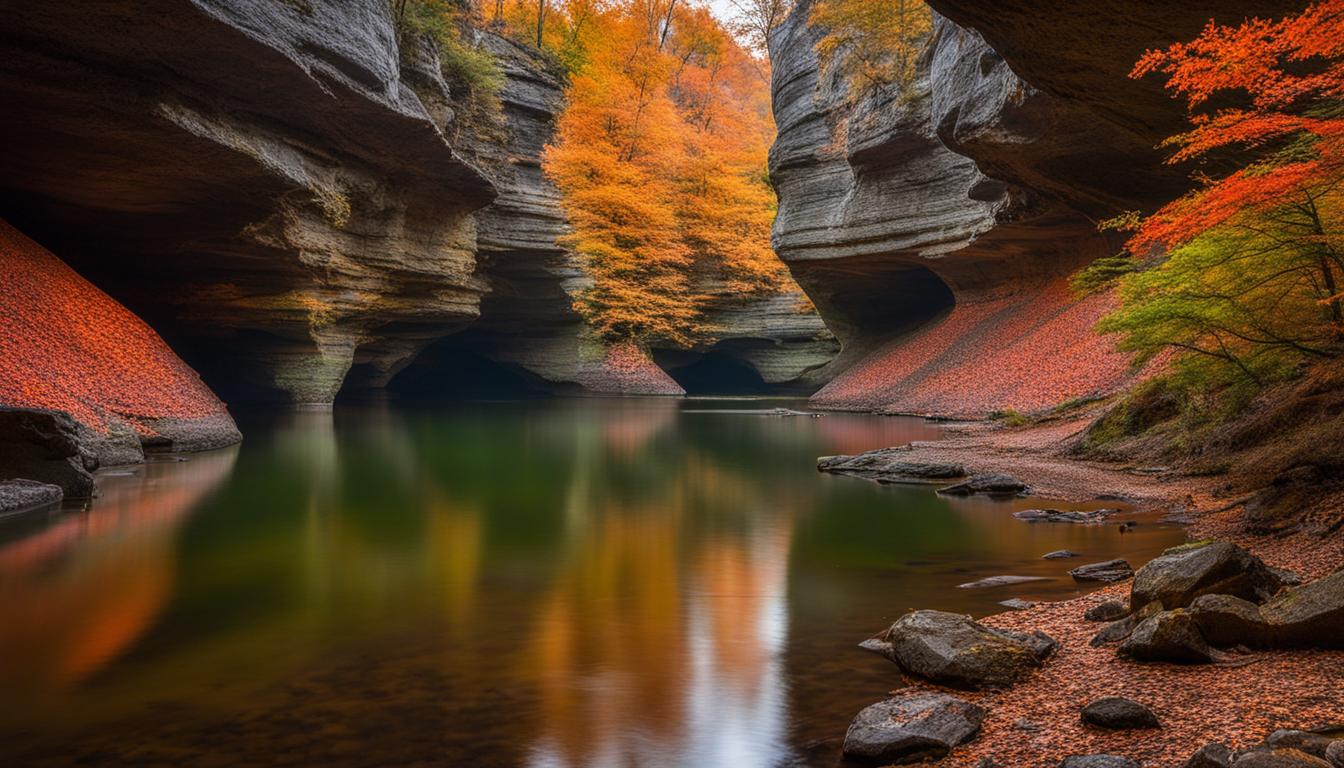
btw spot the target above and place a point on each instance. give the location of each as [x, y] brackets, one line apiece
[257, 179]
[935, 228]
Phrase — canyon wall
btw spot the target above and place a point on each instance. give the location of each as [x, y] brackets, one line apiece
[300, 204]
[936, 227]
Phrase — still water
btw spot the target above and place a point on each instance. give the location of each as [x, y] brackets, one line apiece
[546, 583]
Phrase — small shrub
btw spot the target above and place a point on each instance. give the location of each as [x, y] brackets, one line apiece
[467, 68]
[1009, 417]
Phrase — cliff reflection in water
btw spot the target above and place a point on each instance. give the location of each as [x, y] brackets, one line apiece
[587, 583]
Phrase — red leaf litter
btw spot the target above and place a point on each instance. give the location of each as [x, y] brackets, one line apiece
[67, 346]
[628, 370]
[1028, 351]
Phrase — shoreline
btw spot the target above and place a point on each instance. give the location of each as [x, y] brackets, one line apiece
[1036, 722]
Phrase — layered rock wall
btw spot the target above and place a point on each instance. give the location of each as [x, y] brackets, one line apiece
[936, 227]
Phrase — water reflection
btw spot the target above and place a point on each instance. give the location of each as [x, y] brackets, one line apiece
[584, 583]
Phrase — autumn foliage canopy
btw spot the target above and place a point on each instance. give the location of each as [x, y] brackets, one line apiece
[660, 155]
[1242, 274]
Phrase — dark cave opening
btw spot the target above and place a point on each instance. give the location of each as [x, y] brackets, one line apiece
[712, 373]
[448, 370]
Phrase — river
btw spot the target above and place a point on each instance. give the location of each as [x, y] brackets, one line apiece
[540, 583]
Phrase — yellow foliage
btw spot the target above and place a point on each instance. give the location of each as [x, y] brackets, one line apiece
[874, 43]
[660, 155]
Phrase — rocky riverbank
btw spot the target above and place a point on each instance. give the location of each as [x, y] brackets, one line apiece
[1257, 677]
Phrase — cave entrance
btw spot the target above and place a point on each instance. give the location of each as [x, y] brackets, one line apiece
[447, 370]
[712, 373]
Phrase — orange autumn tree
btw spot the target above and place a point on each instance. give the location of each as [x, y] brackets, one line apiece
[873, 44]
[1242, 276]
[660, 156]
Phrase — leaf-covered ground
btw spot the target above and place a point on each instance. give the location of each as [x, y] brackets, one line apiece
[67, 346]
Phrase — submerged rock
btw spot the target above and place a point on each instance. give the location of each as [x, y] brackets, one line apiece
[955, 650]
[1168, 636]
[1078, 516]
[1017, 604]
[1111, 570]
[1181, 574]
[1118, 713]
[1060, 554]
[987, 485]
[889, 465]
[17, 495]
[999, 581]
[911, 728]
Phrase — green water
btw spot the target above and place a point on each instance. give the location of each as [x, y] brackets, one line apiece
[548, 583]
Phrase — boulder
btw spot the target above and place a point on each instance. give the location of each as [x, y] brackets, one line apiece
[1122, 628]
[1334, 754]
[1278, 758]
[999, 581]
[1119, 714]
[45, 446]
[1110, 610]
[1168, 636]
[1078, 516]
[1099, 761]
[1311, 615]
[890, 465]
[1181, 574]
[1210, 756]
[912, 728]
[952, 649]
[1000, 486]
[1109, 571]
[1059, 554]
[18, 495]
[1227, 620]
[1314, 744]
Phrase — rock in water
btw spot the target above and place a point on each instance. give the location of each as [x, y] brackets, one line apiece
[45, 446]
[913, 728]
[1000, 486]
[954, 650]
[1314, 744]
[1099, 761]
[16, 495]
[1168, 636]
[1059, 554]
[1210, 756]
[999, 581]
[1078, 516]
[1017, 604]
[1109, 571]
[1311, 615]
[889, 465]
[1119, 714]
[1181, 574]
[1107, 611]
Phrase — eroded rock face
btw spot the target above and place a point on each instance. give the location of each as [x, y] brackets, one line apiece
[935, 231]
[259, 180]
